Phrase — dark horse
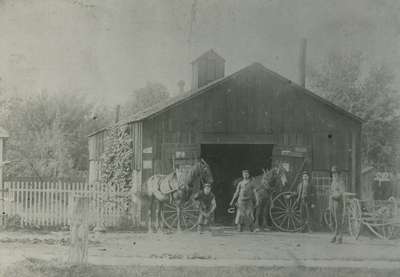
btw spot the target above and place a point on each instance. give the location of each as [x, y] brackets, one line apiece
[265, 187]
[176, 187]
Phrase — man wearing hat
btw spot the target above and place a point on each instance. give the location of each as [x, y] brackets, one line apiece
[207, 205]
[306, 195]
[336, 204]
[245, 197]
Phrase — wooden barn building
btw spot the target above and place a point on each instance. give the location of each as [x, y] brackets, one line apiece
[249, 119]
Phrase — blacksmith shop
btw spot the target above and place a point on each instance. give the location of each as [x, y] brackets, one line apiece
[249, 119]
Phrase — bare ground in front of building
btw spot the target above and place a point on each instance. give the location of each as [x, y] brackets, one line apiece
[126, 248]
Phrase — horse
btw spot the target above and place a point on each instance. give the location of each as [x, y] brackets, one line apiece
[176, 188]
[266, 186]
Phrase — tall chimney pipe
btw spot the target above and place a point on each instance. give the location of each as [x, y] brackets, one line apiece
[302, 63]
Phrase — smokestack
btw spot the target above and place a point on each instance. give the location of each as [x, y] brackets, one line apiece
[117, 112]
[181, 85]
[302, 63]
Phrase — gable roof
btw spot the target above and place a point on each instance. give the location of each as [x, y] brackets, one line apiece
[160, 107]
[182, 98]
[210, 53]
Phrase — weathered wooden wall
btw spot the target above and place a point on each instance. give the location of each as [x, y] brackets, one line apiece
[255, 107]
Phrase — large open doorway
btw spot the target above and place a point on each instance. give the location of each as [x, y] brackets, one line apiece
[226, 162]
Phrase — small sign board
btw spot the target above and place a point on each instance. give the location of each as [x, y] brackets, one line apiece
[147, 164]
[180, 154]
[148, 150]
[382, 177]
[300, 149]
[292, 153]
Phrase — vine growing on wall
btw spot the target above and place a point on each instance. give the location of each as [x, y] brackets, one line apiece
[117, 160]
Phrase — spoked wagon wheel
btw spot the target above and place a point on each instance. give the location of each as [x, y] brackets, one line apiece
[354, 214]
[285, 213]
[189, 215]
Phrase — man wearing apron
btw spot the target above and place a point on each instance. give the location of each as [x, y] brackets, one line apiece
[245, 197]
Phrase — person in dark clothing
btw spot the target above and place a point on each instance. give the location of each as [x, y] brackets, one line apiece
[306, 195]
[207, 205]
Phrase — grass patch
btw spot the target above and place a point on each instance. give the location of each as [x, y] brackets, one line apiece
[39, 268]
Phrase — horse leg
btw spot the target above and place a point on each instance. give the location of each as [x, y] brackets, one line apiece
[160, 208]
[150, 214]
[158, 216]
[262, 213]
[267, 218]
[257, 217]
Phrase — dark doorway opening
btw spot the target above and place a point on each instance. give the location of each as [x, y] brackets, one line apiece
[227, 162]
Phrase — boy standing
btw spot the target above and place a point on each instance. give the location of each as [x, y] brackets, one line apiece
[207, 205]
[305, 192]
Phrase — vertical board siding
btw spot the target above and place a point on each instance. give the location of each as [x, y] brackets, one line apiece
[50, 203]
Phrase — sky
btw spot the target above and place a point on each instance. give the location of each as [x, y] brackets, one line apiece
[107, 48]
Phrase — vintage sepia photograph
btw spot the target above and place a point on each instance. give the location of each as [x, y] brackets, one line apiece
[189, 138]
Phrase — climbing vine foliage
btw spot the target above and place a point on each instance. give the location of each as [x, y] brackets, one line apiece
[117, 160]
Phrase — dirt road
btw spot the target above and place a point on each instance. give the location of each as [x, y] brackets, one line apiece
[223, 249]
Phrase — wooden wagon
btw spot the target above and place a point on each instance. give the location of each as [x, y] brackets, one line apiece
[381, 217]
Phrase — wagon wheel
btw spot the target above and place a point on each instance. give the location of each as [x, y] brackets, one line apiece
[354, 214]
[285, 213]
[189, 215]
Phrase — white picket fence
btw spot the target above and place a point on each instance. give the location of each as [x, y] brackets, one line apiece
[50, 203]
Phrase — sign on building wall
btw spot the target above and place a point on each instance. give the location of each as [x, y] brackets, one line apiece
[147, 164]
[180, 154]
[148, 150]
[382, 177]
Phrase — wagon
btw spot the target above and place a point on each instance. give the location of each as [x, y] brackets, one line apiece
[285, 212]
[381, 217]
[285, 208]
[189, 215]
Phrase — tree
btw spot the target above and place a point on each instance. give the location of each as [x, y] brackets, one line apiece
[145, 97]
[117, 159]
[369, 94]
[48, 135]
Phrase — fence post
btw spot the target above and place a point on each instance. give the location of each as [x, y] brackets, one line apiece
[100, 193]
[78, 253]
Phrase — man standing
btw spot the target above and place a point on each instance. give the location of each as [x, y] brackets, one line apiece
[207, 206]
[306, 196]
[336, 203]
[245, 197]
